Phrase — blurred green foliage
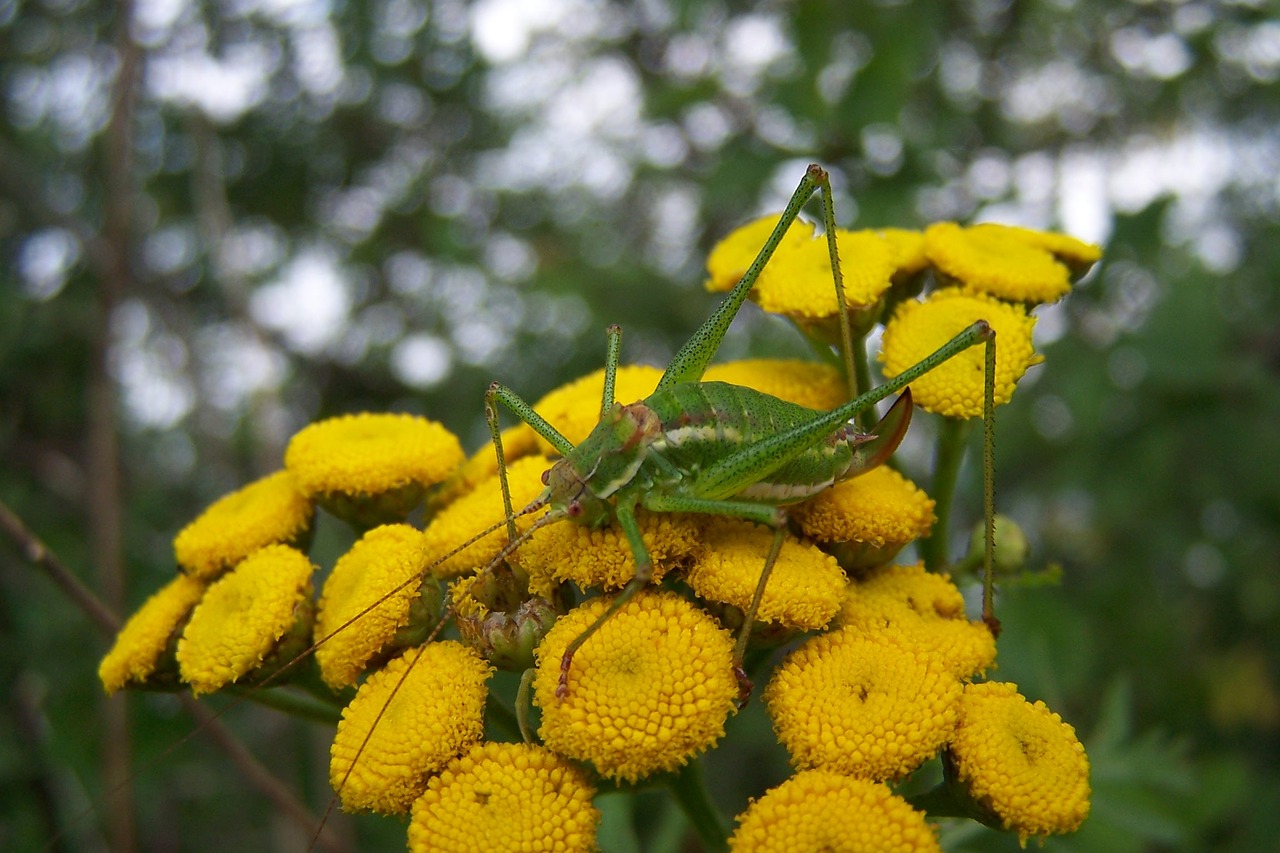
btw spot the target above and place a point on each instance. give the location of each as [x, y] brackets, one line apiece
[331, 206]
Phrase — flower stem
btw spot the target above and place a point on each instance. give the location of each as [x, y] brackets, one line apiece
[953, 434]
[307, 706]
[691, 793]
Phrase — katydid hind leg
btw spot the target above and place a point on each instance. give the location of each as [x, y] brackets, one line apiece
[691, 361]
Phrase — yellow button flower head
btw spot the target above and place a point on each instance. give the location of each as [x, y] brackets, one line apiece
[805, 383]
[1019, 761]
[927, 610]
[142, 654]
[601, 557]
[270, 510]
[800, 283]
[648, 691]
[818, 810]
[244, 618]
[880, 510]
[866, 705]
[424, 707]
[506, 796]
[1076, 254]
[909, 246]
[955, 389]
[574, 408]
[804, 589]
[473, 512]
[372, 468]
[359, 614]
[730, 259]
[996, 261]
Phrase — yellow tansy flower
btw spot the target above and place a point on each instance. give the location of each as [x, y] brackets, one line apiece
[927, 610]
[1019, 761]
[601, 556]
[818, 810]
[1076, 254]
[866, 705]
[142, 653]
[730, 258]
[372, 468]
[359, 615]
[880, 511]
[506, 796]
[804, 589]
[267, 511]
[992, 260]
[955, 388]
[648, 691]
[801, 285]
[424, 707]
[245, 616]
[805, 383]
[909, 246]
[477, 510]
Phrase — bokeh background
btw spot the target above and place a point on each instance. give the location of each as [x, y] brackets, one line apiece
[222, 220]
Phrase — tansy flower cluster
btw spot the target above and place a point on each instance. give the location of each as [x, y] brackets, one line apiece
[622, 681]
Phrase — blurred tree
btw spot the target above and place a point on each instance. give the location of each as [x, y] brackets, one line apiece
[222, 220]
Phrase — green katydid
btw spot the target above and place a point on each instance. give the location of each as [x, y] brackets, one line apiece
[711, 447]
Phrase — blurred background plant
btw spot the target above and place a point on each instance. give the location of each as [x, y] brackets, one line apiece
[221, 221]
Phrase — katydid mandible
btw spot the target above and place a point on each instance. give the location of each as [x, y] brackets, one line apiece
[716, 448]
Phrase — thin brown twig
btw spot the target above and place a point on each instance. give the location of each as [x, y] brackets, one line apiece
[39, 554]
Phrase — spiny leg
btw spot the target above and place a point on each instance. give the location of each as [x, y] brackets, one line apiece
[626, 516]
[989, 487]
[691, 361]
[612, 356]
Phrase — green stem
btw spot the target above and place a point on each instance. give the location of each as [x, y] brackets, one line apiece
[305, 706]
[691, 793]
[953, 434]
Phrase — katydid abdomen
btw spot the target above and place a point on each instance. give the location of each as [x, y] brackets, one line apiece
[705, 422]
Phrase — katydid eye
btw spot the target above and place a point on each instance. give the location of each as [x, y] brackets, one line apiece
[546, 477]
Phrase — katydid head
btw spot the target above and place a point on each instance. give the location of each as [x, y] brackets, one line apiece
[608, 459]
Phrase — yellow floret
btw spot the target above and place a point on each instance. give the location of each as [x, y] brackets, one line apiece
[926, 610]
[470, 514]
[366, 600]
[267, 511]
[601, 557]
[1076, 254]
[730, 259]
[243, 616]
[909, 245]
[880, 508]
[800, 283]
[370, 466]
[506, 797]
[424, 707]
[955, 388]
[646, 692]
[1020, 761]
[820, 811]
[866, 705]
[138, 654]
[805, 383]
[993, 260]
[804, 589]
